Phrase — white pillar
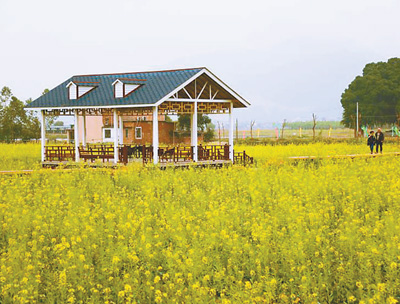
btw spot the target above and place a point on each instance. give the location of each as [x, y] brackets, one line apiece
[194, 131]
[43, 135]
[121, 131]
[84, 129]
[231, 132]
[76, 135]
[115, 121]
[155, 135]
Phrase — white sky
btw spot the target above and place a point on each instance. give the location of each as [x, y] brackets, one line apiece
[288, 58]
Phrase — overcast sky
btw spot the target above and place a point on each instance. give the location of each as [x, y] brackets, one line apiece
[288, 58]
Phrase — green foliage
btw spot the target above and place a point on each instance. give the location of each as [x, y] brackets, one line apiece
[184, 122]
[377, 92]
[15, 122]
[209, 134]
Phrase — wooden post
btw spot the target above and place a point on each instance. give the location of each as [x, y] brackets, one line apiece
[231, 132]
[76, 135]
[121, 131]
[84, 129]
[43, 135]
[194, 131]
[155, 135]
[115, 121]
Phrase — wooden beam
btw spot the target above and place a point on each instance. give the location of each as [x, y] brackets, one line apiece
[190, 97]
[199, 100]
[201, 92]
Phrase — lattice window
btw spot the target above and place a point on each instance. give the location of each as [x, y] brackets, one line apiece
[213, 107]
[147, 111]
[170, 107]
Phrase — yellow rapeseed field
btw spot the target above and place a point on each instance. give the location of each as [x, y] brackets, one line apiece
[324, 231]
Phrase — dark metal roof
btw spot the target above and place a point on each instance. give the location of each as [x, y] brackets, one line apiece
[154, 86]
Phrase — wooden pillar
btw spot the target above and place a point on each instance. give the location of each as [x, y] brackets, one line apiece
[43, 134]
[155, 135]
[115, 121]
[231, 131]
[76, 135]
[194, 131]
[121, 131]
[84, 129]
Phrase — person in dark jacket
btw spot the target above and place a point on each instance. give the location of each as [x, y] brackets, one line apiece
[380, 137]
[371, 141]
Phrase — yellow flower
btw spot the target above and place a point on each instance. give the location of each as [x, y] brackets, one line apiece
[128, 288]
[381, 287]
[121, 294]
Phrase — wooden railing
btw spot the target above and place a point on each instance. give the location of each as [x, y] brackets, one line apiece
[59, 153]
[167, 154]
[242, 158]
[213, 152]
[93, 152]
[185, 153]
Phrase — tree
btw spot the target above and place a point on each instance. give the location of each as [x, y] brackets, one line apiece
[252, 123]
[50, 118]
[15, 122]
[377, 92]
[209, 133]
[185, 119]
[314, 119]
[283, 127]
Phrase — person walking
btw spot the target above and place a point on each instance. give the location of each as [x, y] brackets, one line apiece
[371, 141]
[380, 137]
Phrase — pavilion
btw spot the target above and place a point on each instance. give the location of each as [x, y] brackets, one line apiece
[184, 91]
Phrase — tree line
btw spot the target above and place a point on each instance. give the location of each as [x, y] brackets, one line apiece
[15, 122]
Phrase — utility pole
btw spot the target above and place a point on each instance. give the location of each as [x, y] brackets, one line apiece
[357, 119]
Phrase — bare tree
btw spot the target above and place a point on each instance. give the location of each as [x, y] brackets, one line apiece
[283, 127]
[223, 131]
[251, 127]
[314, 119]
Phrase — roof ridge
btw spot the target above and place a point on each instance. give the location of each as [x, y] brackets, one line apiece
[160, 71]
